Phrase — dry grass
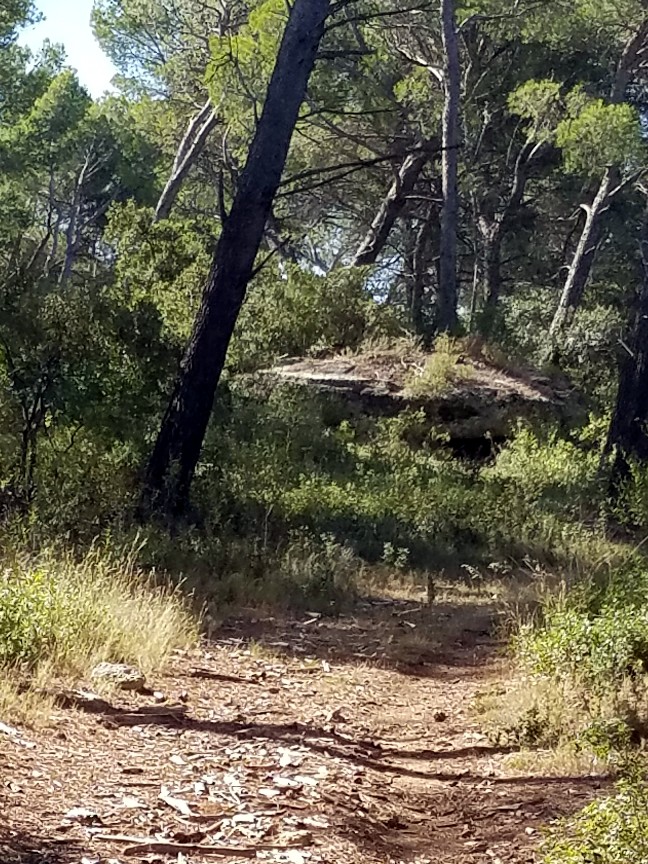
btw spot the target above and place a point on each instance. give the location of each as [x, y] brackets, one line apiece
[529, 707]
[59, 617]
[562, 761]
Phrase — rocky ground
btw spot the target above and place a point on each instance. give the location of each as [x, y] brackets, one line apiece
[309, 739]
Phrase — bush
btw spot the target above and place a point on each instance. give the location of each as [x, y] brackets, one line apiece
[290, 312]
[609, 831]
[443, 369]
[71, 614]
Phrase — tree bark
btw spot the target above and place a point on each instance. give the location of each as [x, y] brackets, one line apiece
[583, 260]
[447, 297]
[71, 234]
[421, 261]
[191, 146]
[628, 433]
[493, 228]
[390, 209]
[177, 449]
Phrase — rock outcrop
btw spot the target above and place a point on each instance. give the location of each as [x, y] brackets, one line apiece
[484, 402]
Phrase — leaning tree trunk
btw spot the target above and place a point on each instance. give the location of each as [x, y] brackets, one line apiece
[179, 442]
[192, 145]
[628, 434]
[583, 260]
[447, 297]
[390, 209]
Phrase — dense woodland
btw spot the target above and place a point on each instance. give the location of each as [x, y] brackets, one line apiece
[271, 180]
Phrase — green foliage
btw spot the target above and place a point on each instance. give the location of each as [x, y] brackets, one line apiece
[161, 268]
[290, 311]
[598, 649]
[600, 135]
[611, 830]
[445, 368]
[548, 469]
[539, 103]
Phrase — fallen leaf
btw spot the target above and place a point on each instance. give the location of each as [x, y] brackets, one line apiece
[336, 716]
[314, 821]
[82, 816]
[15, 734]
[267, 792]
[286, 782]
[178, 804]
[129, 802]
[290, 757]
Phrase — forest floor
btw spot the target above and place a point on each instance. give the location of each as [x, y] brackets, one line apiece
[303, 739]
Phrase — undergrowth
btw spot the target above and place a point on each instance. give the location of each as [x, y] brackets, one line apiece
[611, 830]
[445, 367]
[59, 616]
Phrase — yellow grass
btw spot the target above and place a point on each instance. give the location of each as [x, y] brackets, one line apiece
[60, 616]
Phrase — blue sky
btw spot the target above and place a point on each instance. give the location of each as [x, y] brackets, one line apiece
[68, 21]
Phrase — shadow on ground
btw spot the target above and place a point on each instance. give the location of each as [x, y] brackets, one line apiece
[408, 636]
[17, 847]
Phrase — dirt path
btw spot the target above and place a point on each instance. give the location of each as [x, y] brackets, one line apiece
[307, 740]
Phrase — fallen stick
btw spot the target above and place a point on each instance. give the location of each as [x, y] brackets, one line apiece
[146, 846]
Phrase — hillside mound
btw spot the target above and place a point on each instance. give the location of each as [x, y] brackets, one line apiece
[474, 399]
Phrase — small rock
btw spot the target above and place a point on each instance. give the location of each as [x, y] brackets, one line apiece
[122, 676]
[440, 716]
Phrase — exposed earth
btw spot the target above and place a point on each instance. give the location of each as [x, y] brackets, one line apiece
[483, 401]
[307, 739]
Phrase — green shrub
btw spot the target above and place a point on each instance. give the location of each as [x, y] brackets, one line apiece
[291, 311]
[599, 650]
[444, 368]
[70, 614]
[608, 831]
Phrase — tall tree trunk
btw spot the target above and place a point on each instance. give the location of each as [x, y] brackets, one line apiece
[71, 233]
[583, 260]
[179, 442]
[191, 146]
[390, 209]
[628, 433]
[493, 227]
[421, 262]
[447, 297]
[492, 235]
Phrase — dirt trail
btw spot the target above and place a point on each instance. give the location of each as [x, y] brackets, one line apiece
[301, 740]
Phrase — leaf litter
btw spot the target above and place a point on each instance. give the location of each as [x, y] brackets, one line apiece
[286, 747]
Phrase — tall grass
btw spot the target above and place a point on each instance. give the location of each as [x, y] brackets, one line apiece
[60, 615]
